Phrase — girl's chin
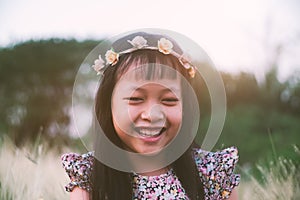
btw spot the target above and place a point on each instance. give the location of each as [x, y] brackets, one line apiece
[149, 151]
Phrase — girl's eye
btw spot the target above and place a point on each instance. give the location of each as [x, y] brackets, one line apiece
[134, 100]
[170, 101]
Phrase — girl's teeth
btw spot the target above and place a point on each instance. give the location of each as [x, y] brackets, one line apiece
[146, 132]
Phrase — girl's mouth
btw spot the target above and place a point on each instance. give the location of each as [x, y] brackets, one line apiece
[150, 132]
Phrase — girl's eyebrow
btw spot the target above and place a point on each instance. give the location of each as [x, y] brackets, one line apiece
[171, 89]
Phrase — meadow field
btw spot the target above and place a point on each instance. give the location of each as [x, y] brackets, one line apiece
[36, 173]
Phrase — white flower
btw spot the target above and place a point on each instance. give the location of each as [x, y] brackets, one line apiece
[165, 46]
[192, 72]
[185, 60]
[111, 57]
[98, 65]
[138, 42]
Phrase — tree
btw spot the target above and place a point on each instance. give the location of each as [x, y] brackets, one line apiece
[36, 80]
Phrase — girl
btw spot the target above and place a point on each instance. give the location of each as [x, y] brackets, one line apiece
[144, 106]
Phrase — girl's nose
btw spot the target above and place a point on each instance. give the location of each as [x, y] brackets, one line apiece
[153, 113]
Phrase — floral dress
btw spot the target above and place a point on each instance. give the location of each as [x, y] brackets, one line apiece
[215, 170]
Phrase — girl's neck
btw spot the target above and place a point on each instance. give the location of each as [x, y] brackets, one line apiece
[156, 172]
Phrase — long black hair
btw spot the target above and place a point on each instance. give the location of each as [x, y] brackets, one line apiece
[109, 183]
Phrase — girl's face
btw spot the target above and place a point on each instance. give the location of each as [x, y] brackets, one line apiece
[147, 115]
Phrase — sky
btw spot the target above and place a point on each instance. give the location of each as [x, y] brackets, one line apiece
[238, 35]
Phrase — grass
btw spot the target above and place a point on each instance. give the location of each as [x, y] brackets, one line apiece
[279, 179]
[35, 173]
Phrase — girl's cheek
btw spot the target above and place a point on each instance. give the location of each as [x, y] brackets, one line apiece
[174, 114]
[173, 110]
[134, 112]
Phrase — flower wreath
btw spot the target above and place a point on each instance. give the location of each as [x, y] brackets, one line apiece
[163, 45]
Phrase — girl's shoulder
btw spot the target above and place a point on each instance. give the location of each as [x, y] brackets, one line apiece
[226, 158]
[78, 168]
[216, 171]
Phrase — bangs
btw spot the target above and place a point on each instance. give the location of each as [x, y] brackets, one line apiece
[154, 71]
[150, 65]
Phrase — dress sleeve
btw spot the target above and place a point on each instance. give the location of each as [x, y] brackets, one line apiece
[216, 172]
[78, 168]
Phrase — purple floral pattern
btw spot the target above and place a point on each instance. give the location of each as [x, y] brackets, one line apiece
[164, 186]
[215, 170]
[79, 168]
